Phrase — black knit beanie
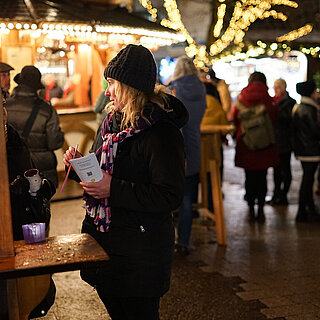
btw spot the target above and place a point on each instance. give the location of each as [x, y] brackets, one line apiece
[306, 88]
[134, 66]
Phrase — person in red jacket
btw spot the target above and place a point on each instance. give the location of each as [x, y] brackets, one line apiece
[255, 162]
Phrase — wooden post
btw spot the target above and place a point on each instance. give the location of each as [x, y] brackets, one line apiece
[6, 236]
[210, 162]
[218, 203]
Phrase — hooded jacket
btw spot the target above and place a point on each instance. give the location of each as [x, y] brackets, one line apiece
[306, 130]
[147, 184]
[192, 93]
[255, 93]
[45, 135]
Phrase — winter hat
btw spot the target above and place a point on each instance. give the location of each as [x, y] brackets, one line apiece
[306, 88]
[4, 67]
[134, 66]
[29, 76]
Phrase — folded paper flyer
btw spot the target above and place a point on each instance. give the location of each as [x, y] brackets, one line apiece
[87, 168]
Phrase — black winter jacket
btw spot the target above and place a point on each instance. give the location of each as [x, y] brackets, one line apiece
[25, 209]
[306, 130]
[147, 184]
[45, 135]
[284, 125]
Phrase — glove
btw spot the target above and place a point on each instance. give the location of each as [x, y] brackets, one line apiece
[20, 186]
[47, 189]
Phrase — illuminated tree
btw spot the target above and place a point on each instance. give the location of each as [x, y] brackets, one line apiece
[223, 33]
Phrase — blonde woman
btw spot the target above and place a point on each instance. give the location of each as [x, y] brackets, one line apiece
[191, 91]
[141, 153]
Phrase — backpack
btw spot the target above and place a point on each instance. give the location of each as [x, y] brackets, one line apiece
[257, 129]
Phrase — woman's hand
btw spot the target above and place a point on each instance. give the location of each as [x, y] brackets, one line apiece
[69, 155]
[100, 189]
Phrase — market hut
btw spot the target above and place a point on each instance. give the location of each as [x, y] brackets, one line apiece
[74, 38]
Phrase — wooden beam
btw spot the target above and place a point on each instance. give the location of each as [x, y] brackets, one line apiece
[6, 236]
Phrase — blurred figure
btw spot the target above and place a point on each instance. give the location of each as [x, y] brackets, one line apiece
[5, 78]
[52, 89]
[223, 90]
[306, 146]
[19, 160]
[67, 99]
[214, 114]
[45, 134]
[255, 162]
[282, 172]
[101, 103]
[188, 88]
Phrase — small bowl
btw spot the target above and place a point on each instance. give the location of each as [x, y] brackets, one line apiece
[34, 232]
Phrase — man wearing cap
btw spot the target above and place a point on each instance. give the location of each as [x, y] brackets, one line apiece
[5, 77]
[306, 146]
[45, 135]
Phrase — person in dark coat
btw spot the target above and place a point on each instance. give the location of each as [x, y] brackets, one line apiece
[188, 88]
[306, 147]
[45, 134]
[282, 172]
[19, 161]
[5, 78]
[141, 152]
[255, 162]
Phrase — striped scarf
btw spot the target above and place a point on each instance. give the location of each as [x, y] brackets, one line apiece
[99, 209]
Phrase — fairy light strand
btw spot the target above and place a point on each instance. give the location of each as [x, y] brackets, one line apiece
[295, 34]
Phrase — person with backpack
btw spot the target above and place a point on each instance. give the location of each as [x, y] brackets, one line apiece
[36, 121]
[255, 116]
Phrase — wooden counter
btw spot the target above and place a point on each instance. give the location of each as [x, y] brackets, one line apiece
[56, 254]
[79, 113]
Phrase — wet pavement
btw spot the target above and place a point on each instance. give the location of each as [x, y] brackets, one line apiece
[268, 270]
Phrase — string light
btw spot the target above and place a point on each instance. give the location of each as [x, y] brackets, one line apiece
[148, 5]
[244, 14]
[220, 14]
[95, 34]
[295, 34]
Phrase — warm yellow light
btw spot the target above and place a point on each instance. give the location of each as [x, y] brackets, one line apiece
[295, 34]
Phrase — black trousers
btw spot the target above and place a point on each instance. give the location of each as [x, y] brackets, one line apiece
[306, 187]
[256, 186]
[282, 176]
[140, 308]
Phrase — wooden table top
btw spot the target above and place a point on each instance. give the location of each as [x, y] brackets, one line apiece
[214, 128]
[56, 254]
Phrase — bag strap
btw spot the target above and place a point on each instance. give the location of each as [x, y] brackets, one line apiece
[30, 121]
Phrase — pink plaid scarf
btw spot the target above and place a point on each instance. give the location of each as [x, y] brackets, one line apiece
[101, 211]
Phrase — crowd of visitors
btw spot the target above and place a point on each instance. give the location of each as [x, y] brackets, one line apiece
[149, 149]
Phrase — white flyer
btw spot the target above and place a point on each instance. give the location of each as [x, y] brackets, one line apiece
[87, 168]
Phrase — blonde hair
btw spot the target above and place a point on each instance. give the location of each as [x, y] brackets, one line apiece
[134, 102]
[184, 66]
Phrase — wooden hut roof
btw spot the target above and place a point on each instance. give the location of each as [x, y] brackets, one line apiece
[69, 11]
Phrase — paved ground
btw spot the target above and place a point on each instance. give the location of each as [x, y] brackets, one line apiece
[266, 271]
